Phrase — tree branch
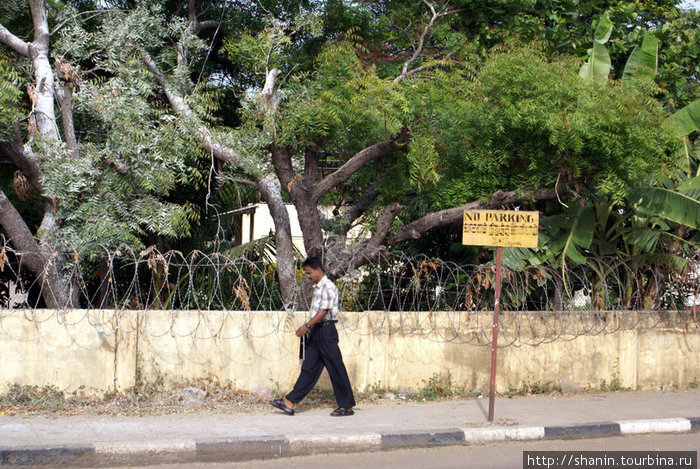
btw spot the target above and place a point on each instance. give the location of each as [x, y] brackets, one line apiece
[96, 14]
[383, 225]
[271, 194]
[370, 250]
[208, 24]
[20, 235]
[311, 158]
[247, 182]
[454, 215]
[268, 98]
[282, 159]
[13, 42]
[63, 87]
[341, 229]
[418, 50]
[38, 256]
[40, 22]
[199, 131]
[360, 207]
[342, 174]
[193, 27]
[24, 162]
[365, 252]
[192, 11]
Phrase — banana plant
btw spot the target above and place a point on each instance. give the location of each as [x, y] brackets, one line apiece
[597, 67]
[678, 199]
[643, 60]
[685, 122]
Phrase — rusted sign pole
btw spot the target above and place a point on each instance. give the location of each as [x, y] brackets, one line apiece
[494, 340]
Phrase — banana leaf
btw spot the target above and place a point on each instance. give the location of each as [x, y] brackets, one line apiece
[644, 59]
[644, 238]
[686, 120]
[597, 68]
[691, 187]
[603, 29]
[667, 204]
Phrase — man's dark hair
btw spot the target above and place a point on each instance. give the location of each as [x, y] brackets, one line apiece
[313, 262]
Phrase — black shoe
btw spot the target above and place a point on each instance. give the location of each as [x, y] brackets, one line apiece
[342, 412]
[279, 403]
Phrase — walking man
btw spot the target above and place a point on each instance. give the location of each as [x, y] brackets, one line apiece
[321, 346]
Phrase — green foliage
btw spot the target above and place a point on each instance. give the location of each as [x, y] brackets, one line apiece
[615, 383]
[536, 388]
[534, 123]
[678, 62]
[498, 105]
[34, 397]
[133, 153]
[438, 387]
[569, 232]
[639, 235]
[270, 47]
[643, 60]
[669, 204]
[597, 68]
[686, 120]
[10, 96]
[341, 103]
[423, 162]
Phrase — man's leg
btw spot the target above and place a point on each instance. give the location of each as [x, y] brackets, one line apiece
[333, 360]
[311, 369]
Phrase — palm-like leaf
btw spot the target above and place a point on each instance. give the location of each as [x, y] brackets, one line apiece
[259, 249]
[687, 120]
[668, 204]
[643, 59]
[597, 68]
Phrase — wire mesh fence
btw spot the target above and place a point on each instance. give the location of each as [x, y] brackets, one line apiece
[437, 299]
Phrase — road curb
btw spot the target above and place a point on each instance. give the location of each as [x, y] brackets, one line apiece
[275, 446]
[577, 432]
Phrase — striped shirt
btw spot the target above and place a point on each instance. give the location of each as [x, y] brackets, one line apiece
[325, 297]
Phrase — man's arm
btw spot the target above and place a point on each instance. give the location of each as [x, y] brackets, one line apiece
[318, 317]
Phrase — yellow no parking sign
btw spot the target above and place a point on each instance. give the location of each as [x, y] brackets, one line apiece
[507, 228]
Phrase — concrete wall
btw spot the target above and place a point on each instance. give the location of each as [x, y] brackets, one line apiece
[104, 350]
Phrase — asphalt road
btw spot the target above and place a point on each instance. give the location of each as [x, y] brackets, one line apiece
[493, 456]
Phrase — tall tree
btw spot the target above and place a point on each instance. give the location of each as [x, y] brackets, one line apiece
[402, 132]
[386, 137]
[102, 184]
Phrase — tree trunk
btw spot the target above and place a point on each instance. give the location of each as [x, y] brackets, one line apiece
[38, 254]
[38, 257]
[271, 193]
[310, 224]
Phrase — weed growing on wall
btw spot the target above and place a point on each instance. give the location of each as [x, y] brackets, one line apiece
[46, 398]
[615, 383]
[531, 389]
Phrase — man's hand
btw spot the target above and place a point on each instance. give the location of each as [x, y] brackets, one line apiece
[303, 330]
[318, 317]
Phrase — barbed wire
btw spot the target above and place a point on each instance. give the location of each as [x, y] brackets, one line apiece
[435, 299]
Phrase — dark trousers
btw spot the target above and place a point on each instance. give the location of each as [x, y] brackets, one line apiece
[322, 350]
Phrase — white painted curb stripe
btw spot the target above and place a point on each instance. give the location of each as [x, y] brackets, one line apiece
[503, 434]
[140, 447]
[356, 442]
[655, 426]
